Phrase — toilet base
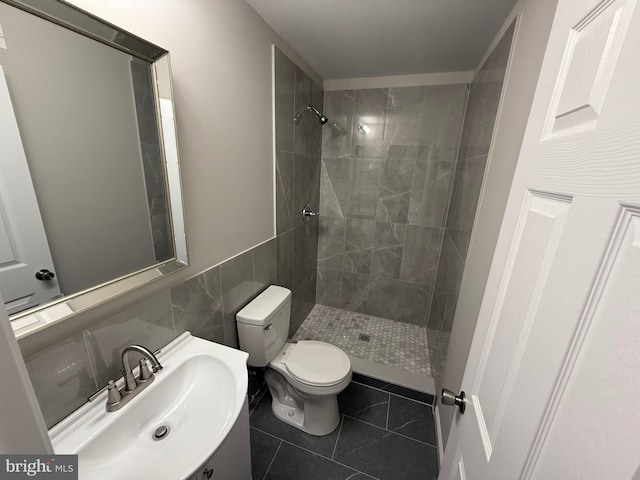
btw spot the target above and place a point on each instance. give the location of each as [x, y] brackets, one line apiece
[315, 415]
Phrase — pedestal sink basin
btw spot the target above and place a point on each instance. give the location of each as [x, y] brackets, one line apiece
[192, 406]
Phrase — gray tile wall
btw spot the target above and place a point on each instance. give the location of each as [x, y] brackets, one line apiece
[66, 373]
[384, 197]
[298, 147]
[477, 131]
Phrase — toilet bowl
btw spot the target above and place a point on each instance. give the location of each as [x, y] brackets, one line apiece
[304, 378]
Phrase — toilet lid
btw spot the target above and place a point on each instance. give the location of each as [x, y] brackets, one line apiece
[318, 363]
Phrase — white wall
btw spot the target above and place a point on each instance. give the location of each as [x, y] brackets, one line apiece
[527, 52]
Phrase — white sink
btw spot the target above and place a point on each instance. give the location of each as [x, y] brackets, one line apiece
[198, 395]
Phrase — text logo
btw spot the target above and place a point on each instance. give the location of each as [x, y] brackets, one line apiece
[49, 467]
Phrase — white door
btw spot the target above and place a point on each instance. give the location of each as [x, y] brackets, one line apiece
[23, 244]
[553, 376]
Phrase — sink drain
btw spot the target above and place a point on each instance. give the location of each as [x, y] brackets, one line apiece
[161, 432]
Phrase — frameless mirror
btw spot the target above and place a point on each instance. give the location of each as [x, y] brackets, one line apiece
[90, 199]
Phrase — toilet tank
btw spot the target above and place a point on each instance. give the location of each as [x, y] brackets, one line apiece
[263, 325]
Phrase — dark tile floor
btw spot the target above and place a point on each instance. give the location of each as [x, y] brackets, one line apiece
[385, 432]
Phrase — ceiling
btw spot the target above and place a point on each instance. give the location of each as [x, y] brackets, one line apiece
[371, 38]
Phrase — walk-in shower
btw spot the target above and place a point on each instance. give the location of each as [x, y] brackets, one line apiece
[396, 201]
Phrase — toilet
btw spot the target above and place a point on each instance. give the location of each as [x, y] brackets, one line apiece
[304, 377]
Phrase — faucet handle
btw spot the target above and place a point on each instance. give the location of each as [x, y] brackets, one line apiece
[145, 371]
[113, 394]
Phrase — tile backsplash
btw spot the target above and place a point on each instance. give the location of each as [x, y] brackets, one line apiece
[66, 373]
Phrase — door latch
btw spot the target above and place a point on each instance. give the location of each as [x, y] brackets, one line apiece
[44, 274]
[449, 398]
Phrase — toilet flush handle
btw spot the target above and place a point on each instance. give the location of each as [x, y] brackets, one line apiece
[268, 327]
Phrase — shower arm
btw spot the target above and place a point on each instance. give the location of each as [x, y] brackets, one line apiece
[308, 108]
[299, 113]
[313, 109]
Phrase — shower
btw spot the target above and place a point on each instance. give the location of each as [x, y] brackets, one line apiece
[323, 119]
[390, 246]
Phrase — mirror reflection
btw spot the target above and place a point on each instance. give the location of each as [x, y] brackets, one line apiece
[84, 197]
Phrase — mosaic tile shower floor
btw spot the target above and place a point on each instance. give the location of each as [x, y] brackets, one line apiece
[380, 340]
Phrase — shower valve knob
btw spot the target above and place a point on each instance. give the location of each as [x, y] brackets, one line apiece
[307, 213]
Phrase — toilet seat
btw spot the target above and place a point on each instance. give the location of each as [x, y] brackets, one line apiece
[317, 364]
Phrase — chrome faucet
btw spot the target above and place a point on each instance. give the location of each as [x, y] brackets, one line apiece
[116, 399]
[145, 375]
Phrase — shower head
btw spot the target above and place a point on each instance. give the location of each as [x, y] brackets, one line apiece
[323, 119]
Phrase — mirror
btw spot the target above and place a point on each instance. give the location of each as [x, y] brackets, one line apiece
[90, 199]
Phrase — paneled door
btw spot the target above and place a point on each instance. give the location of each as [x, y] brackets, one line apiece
[24, 250]
[552, 382]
